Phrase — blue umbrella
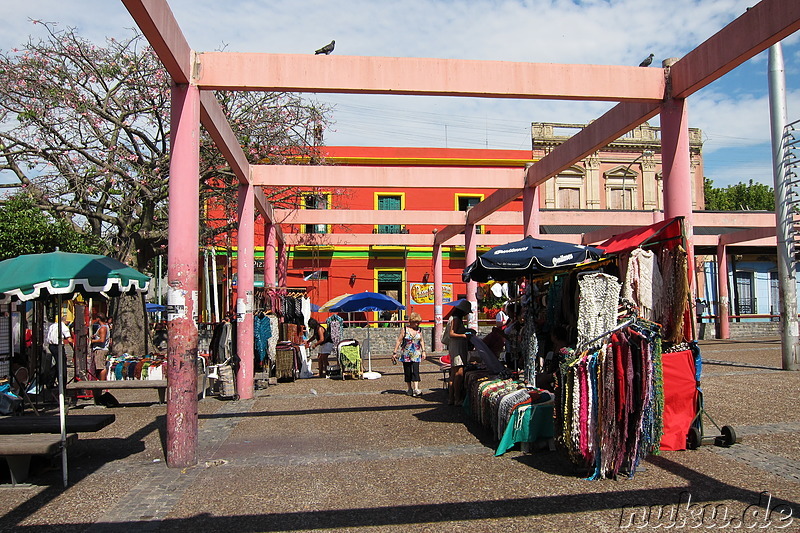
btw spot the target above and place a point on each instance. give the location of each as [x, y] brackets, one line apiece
[367, 301]
[528, 256]
[363, 302]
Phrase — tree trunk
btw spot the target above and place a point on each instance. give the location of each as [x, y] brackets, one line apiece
[129, 326]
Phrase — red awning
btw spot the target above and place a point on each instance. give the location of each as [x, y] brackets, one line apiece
[660, 231]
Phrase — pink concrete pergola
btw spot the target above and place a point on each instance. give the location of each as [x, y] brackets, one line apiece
[641, 92]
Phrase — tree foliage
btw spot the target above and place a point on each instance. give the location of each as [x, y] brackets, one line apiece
[26, 229]
[749, 196]
[85, 129]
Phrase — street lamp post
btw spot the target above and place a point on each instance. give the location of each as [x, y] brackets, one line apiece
[645, 153]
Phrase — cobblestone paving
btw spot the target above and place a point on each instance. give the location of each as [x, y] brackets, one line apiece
[156, 495]
[763, 460]
[361, 456]
[768, 462]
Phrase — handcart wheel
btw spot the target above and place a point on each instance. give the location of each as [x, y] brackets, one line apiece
[729, 435]
[235, 397]
[694, 439]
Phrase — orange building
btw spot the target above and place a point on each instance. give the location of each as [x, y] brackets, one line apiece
[328, 256]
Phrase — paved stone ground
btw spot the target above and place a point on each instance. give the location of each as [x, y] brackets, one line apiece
[362, 456]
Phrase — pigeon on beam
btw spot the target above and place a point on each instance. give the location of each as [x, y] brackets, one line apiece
[327, 49]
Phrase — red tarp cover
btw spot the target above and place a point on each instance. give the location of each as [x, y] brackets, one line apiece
[623, 242]
[680, 398]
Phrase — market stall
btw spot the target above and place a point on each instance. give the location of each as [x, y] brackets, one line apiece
[592, 330]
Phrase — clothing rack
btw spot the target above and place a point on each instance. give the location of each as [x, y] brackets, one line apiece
[618, 327]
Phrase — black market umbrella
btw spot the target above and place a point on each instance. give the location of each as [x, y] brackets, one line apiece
[364, 302]
[528, 256]
[43, 276]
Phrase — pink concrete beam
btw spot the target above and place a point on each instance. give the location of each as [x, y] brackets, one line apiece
[734, 219]
[747, 235]
[407, 217]
[395, 239]
[423, 76]
[393, 177]
[158, 24]
[609, 127]
[612, 125]
[413, 217]
[216, 123]
[266, 210]
[761, 26]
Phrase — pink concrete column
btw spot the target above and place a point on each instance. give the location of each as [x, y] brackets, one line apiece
[471, 252]
[269, 255]
[245, 271]
[530, 211]
[283, 264]
[438, 300]
[182, 267]
[676, 167]
[723, 307]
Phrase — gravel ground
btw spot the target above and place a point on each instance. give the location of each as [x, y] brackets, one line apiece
[360, 455]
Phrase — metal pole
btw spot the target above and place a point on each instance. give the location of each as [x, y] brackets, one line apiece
[786, 275]
[62, 415]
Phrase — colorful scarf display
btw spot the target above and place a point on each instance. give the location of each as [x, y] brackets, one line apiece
[610, 405]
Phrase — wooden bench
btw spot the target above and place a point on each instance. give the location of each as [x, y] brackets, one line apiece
[16, 425]
[160, 384]
[18, 449]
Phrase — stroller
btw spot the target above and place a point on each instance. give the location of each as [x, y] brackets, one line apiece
[350, 359]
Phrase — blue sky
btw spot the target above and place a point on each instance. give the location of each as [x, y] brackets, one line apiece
[732, 112]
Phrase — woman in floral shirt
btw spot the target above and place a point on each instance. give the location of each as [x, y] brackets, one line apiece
[410, 350]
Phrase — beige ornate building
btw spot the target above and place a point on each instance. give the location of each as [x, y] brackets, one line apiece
[625, 175]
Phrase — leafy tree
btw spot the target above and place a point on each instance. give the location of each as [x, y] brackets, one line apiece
[85, 130]
[26, 229]
[749, 196]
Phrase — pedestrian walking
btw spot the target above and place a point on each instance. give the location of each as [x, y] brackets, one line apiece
[409, 349]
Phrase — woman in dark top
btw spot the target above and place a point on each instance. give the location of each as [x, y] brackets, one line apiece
[320, 338]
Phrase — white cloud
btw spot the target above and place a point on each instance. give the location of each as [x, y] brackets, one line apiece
[732, 112]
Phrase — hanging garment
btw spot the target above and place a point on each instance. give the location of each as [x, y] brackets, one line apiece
[273, 339]
[262, 331]
[305, 363]
[643, 284]
[335, 325]
[597, 307]
[305, 308]
[675, 300]
[530, 345]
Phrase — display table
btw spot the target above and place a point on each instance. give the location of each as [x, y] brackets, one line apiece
[536, 423]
